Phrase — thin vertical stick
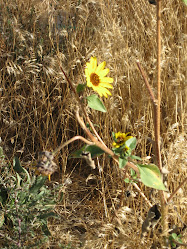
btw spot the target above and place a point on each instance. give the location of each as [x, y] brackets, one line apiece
[157, 119]
[157, 107]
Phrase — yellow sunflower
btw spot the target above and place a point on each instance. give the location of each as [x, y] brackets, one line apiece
[121, 138]
[96, 79]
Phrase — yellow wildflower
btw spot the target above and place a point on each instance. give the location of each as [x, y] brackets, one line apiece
[96, 79]
[121, 138]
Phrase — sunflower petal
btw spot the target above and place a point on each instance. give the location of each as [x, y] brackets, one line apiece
[98, 90]
[93, 62]
[105, 91]
[107, 80]
[107, 85]
[89, 84]
[89, 67]
[100, 67]
[104, 72]
[86, 72]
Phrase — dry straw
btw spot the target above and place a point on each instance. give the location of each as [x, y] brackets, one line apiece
[38, 110]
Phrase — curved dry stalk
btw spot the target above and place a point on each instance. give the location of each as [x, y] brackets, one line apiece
[111, 153]
[70, 141]
[94, 139]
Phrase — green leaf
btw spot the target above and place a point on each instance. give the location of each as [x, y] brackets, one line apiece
[80, 88]
[136, 157]
[17, 166]
[131, 143]
[61, 196]
[47, 215]
[28, 176]
[39, 182]
[95, 103]
[45, 229]
[122, 162]
[133, 173]
[3, 195]
[93, 149]
[114, 137]
[77, 153]
[19, 179]
[151, 177]
[174, 236]
[173, 244]
[185, 1]
[127, 180]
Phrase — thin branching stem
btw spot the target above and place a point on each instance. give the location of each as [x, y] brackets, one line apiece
[70, 141]
[111, 153]
[176, 190]
[99, 143]
[142, 194]
[147, 83]
[104, 148]
[81, 105]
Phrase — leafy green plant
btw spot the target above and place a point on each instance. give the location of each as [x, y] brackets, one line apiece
[133, 177]
[174, 239]
[123, 144]
[26, 204]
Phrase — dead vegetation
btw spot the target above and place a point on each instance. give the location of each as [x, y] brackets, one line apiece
[37, 107]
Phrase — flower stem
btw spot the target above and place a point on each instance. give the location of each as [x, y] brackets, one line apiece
[81, 105]
[95, 140]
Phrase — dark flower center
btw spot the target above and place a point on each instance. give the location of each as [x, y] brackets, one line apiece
[94, 78]
[120, 139]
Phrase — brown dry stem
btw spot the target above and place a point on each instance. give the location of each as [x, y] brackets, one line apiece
[156, 107]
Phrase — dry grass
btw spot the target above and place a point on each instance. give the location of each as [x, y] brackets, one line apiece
[37, 106]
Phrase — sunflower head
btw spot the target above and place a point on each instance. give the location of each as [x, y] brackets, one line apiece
[120, 139]
[96, 77]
